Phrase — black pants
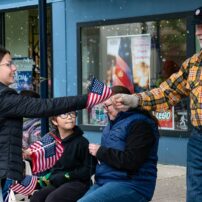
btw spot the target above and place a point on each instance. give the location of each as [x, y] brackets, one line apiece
[68, 192]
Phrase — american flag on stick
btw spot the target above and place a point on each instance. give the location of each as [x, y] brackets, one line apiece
[98, 92]
[26, 186]
[45, 152]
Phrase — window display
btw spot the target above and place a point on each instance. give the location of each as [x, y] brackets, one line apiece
[22, 38]
[23, 76]
[136, 55]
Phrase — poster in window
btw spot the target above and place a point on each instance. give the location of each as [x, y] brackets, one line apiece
[119, 50]
[141, 55]
[23, 76]
[166, 119]
[128, 61]
[181, 120]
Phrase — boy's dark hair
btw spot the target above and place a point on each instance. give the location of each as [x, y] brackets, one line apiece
[124, 90]
[29, 93]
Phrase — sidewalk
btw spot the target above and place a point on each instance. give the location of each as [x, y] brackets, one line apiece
[171, 184]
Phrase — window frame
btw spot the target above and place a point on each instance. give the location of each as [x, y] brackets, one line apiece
[2, 34]
[190, 41]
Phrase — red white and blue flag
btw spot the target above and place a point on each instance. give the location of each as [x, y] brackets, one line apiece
[123, 68]
[45, 152]
[26, 186]
[98, 92]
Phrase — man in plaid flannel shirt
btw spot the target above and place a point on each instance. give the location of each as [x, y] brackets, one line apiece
[186, 82]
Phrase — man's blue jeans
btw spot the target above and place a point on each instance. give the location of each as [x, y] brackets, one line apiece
[194, 167]
[112, 192]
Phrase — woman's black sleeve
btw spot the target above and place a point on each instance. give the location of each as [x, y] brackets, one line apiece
[14, 105]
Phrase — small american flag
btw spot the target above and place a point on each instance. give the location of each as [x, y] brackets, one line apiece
[26, 186]
[45, 152]
[98, 92]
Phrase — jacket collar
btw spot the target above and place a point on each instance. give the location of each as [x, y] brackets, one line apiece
[76, 132]
[3, 85]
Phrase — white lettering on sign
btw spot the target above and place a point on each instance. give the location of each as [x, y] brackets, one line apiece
[163, 115]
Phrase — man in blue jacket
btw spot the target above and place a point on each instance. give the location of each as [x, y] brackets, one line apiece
[127, 157]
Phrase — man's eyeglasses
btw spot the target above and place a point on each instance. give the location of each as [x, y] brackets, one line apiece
[107, 106]
[8, 64]
[71, 114]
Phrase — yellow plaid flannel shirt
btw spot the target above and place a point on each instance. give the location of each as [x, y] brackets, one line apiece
[186, 82]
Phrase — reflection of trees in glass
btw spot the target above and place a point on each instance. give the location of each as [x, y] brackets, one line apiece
[90, 51]
[168, 42]
[173, 39]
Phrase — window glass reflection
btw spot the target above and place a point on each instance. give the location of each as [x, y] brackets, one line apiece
[138, 55]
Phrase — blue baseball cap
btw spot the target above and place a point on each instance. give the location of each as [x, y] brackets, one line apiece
[197, 19]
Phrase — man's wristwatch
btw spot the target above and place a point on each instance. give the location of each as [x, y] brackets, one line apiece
[139, 99]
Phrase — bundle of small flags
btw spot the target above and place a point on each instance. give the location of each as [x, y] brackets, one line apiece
[26, 186]
[44, 155]
[46, 152]
[98, 92]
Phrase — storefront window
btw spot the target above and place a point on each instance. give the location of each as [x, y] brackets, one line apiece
[136, 55]
[22, 39]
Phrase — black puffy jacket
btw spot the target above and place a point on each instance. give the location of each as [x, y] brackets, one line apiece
[13, 107]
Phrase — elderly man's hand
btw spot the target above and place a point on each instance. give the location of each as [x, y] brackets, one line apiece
[123, 102]
[93, 148]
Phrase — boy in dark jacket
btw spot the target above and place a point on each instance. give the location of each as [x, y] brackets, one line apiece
[70, 177]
